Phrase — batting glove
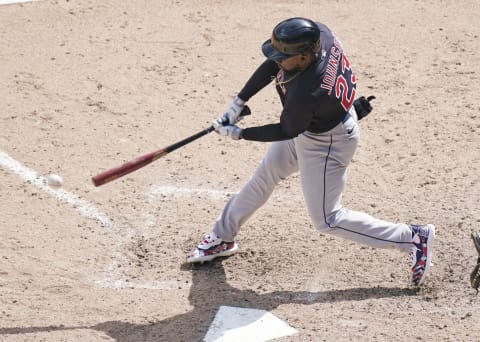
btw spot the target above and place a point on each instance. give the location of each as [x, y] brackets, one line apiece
[232, 114]
[231, 131]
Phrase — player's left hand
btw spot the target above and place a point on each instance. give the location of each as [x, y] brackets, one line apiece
[231, 131]
[232, 115]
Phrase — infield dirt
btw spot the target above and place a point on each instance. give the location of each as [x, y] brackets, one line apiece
[86, 85]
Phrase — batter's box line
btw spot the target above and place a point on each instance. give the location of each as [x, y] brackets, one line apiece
[9, 2]
[178, 192]
[112, 276]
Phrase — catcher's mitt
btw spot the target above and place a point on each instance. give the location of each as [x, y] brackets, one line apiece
[475, 275]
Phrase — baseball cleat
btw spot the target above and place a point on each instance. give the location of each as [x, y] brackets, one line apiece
[210, 248]
[421, 252]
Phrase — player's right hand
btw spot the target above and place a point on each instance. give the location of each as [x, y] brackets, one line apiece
[231, 131]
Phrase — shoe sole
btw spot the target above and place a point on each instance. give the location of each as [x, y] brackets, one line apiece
[431, 237]
[202, 259]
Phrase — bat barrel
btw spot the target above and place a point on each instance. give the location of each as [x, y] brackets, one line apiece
[126, 168]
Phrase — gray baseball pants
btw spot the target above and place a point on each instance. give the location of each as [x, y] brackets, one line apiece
[322, 161]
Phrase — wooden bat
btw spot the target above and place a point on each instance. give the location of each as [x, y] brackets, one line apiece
[135, 164]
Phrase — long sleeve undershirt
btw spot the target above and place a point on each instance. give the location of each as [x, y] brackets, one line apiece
[263, 76]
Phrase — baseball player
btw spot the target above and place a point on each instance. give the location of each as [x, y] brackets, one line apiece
[317, 136]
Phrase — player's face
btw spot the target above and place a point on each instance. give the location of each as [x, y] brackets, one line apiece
[294, 63]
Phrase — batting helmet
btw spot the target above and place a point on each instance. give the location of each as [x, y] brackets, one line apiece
[291, 37]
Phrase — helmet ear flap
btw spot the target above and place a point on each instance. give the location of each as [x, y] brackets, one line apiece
[316, 47]
[313, 47]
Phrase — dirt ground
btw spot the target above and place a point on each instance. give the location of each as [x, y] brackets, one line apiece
[86, 85]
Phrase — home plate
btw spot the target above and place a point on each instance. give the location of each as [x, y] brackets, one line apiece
[240, 324]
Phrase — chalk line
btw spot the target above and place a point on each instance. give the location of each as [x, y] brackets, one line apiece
[85, 208]
[175, 191]
[112, 278]
[8, 2]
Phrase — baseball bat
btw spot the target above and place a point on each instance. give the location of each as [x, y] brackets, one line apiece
[137, 163]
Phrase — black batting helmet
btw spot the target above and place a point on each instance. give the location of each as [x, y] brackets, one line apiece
[291, 37]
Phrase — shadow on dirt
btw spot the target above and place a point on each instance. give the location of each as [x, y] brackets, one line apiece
[208, 292]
